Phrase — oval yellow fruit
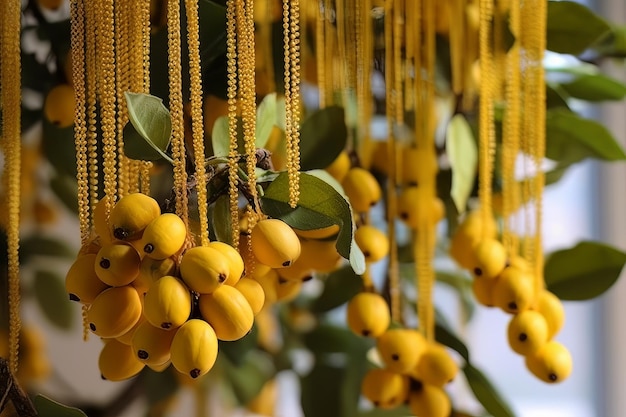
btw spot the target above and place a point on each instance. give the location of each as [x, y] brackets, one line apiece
[401, 349]
[167, 304]
[204, 269]
[59, 105]
[117, 361]
[552, 363]
[373, 242]
[131, 215]
[418, 165]
[384, 388]
[429, 400]
[551, 308]
[368, 314]
[117, 264]
[274, 243]
[527, 332]
[163, 236]
[114, 312]
[152, 344]
[323, 233]
[194, 348]
[491, 259]
[228, 312]
[436, 366]
[254, 293]
[514, 290]
[414, 210]
[362, 189]
[81, 282]
[234, 259]
[339, 168]
[151, 270]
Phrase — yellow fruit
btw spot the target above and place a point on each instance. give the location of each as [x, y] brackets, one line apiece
[127, 337]
[167, 304]
[81, 282]
[194, 348]
[163, 236]
[117, 264]
[519, 262]
[253, 291]
[131, 214]
[429, 401]
[100, 223]
[527, 332]
[483, 290]
[228, 312]
[418, 165]
[320, 255]
[436, 366]
[152, 269]
[373, 242]
[117, 361]
[340, 166]
[384, 388]
[264, 403]
[274, 243]
[269, 281]
[414, 212]
[469, 233]
[234, 259]
[114, 312]
[152, 344]
[59, 105]
[368, 314]
[287, 290]
[551, 308]
[323, 233]
[362, 189]
[204, 269]
[401, 349]
[491, 259]
[551, 363]
[514, 290]
[298, 271]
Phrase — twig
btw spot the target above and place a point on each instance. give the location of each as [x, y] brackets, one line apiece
[11, 390]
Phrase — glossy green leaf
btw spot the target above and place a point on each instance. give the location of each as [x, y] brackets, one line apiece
[59, 148]
[339, 287]
[321, 391]
[462, 153]
[220, 137]
[320, 205]
[584, 271]
[66, 189]
[148, 133]
[571, 138]
[37, 245]
[47, 407]
[265, 119]
[444, 335]
[322, 137]
[613, 45]
[327, 338]
[49, 290]
[158, 386]
[221, 220]
[402, 411]
[486, 393]
[572, 27]
[595, 87]
[555, 96]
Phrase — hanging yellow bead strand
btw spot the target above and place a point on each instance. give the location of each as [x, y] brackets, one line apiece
[10, 106]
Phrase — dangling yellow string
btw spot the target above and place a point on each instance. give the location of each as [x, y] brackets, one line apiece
[197, 125]
[122, 84]
[457, 50]
[176, 107]
[10, 106]
[142, 26]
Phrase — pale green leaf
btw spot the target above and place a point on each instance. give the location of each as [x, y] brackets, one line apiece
[463, 156]
[47, 407]
[220, 137]
[265, 119]
[149, 120]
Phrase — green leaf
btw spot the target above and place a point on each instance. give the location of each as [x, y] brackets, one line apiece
[613, 45]
[486, 393]
[463, 287]
[595, 87]
[572, 27]
[555, 96]
[322, 137]
[250, 375]
[327, 338]
[36, 245]
[66, 189]
[158, 386]
[59, 148]
[265, 119]
[402, 411]
[571, 138]
[49, 408]
[320, 205]
[49, 290]
[340, 286]
[463, 156]
[222, 221]
[148, 133]
[220, 137]
[444, 335]
[321, 391]
[584, 271]
[237, 350]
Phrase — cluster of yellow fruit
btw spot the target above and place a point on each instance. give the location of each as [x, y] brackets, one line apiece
[34, 364]
[509, 283]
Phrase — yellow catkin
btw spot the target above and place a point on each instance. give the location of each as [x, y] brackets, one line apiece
[457, 50]
[122, 84]
[233, 157]
[329, 52]
[176, 107]
[197, 125]
[291, 48]
[141, 13]
[105, 70]
[394, 275]
[424, 249]
[10, 105]
[486, 128]
[511, 134]
[77, 18]
[90, 91]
